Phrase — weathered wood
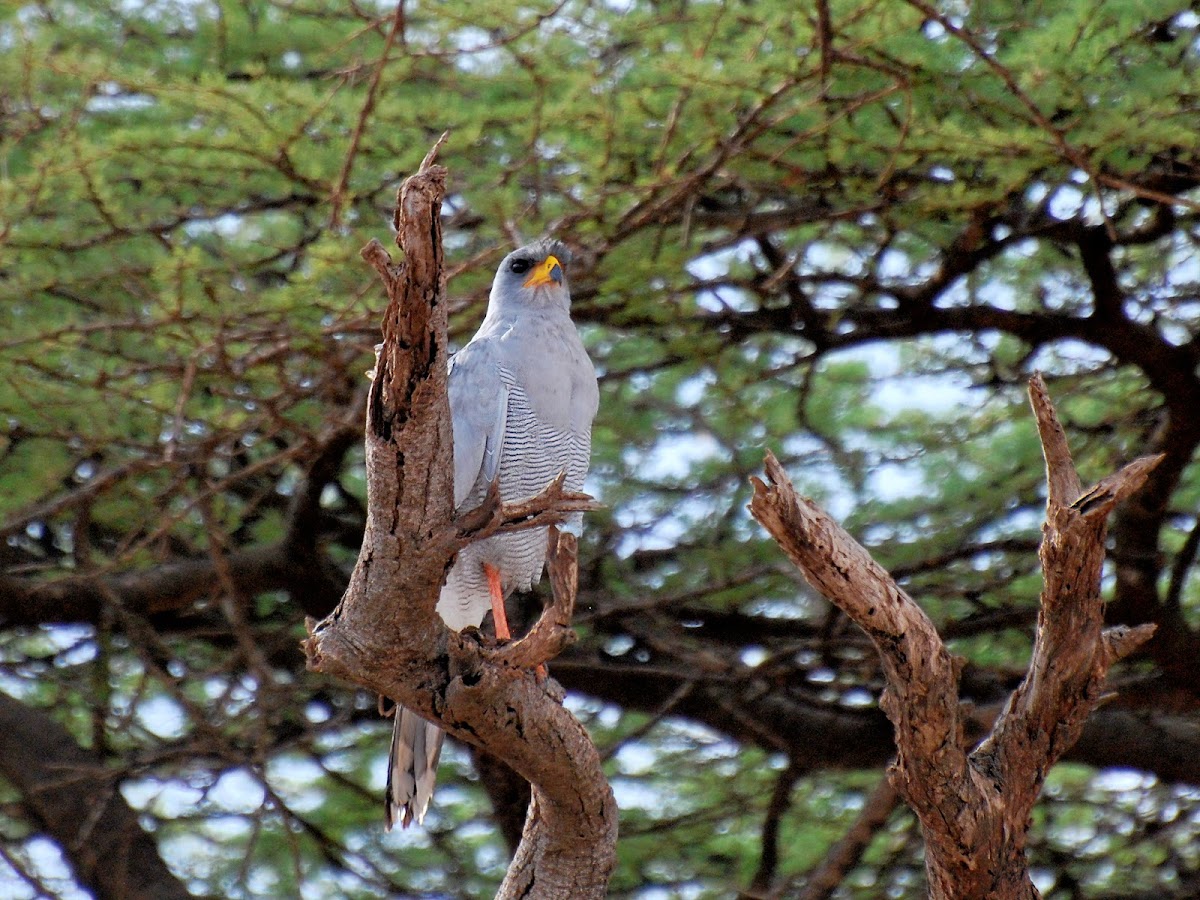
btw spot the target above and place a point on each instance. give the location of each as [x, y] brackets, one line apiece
[385, 634]
[974, 805]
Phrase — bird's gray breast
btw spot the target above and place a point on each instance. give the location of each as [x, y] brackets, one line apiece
[533, 453]
[550, 398]
[546, 359]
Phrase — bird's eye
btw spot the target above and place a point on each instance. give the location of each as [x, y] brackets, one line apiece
[519, 266]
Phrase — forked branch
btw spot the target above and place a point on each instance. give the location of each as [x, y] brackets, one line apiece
[974, 804]
[549, 506]
[552, 633]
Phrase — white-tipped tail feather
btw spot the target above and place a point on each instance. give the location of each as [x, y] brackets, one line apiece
[412, 771]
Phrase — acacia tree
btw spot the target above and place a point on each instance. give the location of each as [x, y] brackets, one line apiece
[848, 233]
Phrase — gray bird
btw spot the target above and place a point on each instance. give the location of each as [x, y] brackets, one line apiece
[523, 395]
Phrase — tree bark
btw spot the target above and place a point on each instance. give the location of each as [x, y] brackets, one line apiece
[73, 796]
[386, 635]
[974, 805]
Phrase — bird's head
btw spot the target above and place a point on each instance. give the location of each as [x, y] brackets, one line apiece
[534, 275]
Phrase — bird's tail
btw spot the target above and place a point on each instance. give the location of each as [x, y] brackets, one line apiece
[412, 771]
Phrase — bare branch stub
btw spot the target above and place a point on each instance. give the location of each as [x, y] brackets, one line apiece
[1071, 653]
[415, 324]
[1062, 481]
[974, 807]
[921, 697]
[409, 459]
[381, 261]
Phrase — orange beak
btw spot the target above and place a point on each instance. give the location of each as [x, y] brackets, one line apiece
[548, 271]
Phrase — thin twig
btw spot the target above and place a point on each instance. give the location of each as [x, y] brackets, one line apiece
[664, 709]
[337, 197]
[780, 803]
[846, 853]
[1179, 569]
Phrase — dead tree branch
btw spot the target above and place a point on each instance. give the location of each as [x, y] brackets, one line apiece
[974, 805]
[386, 635]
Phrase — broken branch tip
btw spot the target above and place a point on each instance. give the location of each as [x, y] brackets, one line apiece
[431, 156]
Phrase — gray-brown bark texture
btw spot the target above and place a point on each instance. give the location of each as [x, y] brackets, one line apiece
[974, 804]
[386, 635]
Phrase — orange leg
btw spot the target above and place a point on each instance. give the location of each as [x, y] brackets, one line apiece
[499, 616]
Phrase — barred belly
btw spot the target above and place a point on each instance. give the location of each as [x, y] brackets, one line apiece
[532, 456]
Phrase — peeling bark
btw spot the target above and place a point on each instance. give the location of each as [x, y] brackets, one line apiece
[386, 635]
[974, 805]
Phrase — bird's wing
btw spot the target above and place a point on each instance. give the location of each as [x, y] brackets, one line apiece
[478, 405]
